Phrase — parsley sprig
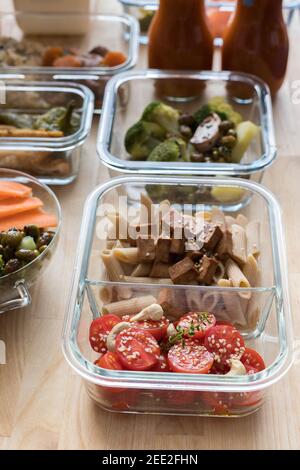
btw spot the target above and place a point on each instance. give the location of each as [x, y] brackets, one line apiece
[183, 333]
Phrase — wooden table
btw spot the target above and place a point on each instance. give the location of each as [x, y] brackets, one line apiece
[43, 404]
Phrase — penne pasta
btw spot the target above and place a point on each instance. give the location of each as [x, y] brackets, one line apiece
[146, 208]
[126, 255]
[253, 237]
[251, 271]
[229, 221]
[218, 218]
[128, 307]
[142, 270]
[242, 220]
[106, 294]
[112, 265]
[119, 226]
[235, 275]
[239, 244]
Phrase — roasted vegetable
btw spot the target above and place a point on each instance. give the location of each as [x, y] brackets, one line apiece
[220, 106]
[164, 115]
[59, 119]
[20, 121]
[207, 133]
[171, 150]
[142, 138]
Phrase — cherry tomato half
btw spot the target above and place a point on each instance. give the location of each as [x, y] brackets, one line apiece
[190, 357]
[162, 365]
[158, 329]
[198, 323]
[252, 361]
[99, 330]
[110, 361]
[225, 342]
[137, 349]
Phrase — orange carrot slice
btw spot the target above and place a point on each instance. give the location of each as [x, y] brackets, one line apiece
[34, 217]
[114, 58]
[10, 207]
[10, 189]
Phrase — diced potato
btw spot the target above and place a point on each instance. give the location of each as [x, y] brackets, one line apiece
[246, 132]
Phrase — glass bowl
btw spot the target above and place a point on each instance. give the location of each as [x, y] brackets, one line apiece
[14, 288]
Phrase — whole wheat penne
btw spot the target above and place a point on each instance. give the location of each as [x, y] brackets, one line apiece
[146, 208]
[205, 215]
[239, 244]
[220, 272]
[119, 225]
[235, 311]
[253, 238]
[110, 244]
[147, 280]
[210, 301]
[142, 270]
[113, 267]
[106, 294]
[194, 300]
[251, 271]
[218, 218]
[126, 255]
[230, 221]
[128, 307]
[242, 220]
[224, 283]
[235, 275]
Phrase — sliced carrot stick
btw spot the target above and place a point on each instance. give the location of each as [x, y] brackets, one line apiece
[10, 189]
[35, 217]
[11, 207]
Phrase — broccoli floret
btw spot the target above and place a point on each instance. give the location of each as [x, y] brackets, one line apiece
[142, 138]
[172, 150]
[164, 115]
[202, 113]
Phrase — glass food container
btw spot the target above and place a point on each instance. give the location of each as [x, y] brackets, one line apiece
[15, 287]
[129, 93]
[53, 160]
[266, 327]
[121, 33]
[144, 11]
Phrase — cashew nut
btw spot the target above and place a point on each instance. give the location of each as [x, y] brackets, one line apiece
[111, 337]
[152, 312]
[171, 330]
[236, 368]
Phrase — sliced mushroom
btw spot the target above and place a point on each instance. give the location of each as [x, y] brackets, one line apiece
[153, 312]
[236, 368]
[111, 338]
[207, 133]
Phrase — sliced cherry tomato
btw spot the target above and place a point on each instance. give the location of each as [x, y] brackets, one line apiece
[99, 330]
[197, 324]
[180, 398]
[190, 357]
[225, 342]
[162, 365]
[219, 369]
[137, 349]
[158, 329]
[123, 401]
[252, 361]
[224, 323]
[218, 402]
[246, 399]
[109, 361]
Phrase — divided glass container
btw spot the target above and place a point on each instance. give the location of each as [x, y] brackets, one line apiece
[15, 287]
[82, 31]
[128, 94]
[54, 161]
[265, 322]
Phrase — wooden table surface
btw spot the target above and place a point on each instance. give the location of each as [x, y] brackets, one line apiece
[43, 404]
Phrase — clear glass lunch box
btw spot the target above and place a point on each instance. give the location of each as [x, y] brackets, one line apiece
[144, 11]
[266, 327]
[129, 93]
[52, 160]
[78, 31]
[15, 287]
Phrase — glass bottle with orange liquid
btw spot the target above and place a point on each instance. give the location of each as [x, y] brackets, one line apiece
[256, 41]
[179, 39]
